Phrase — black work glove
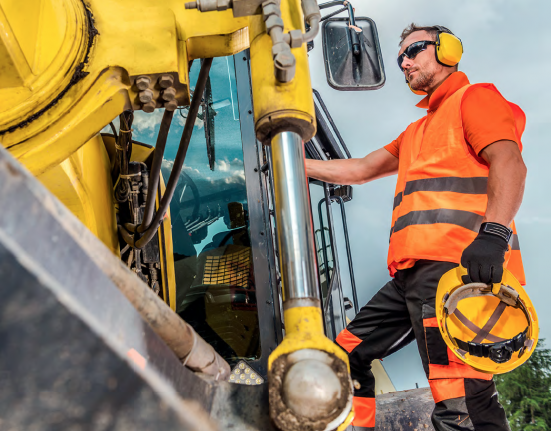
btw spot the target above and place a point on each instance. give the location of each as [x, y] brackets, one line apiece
[485, 256]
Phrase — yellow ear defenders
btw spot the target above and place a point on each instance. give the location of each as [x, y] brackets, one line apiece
[418, 92]
[449, 48]
[448, 51]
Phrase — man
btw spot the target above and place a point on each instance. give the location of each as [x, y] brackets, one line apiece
[460, 182]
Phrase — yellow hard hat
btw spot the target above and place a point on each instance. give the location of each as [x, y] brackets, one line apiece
[494, 329]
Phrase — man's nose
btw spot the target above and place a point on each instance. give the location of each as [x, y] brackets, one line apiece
[406, 63]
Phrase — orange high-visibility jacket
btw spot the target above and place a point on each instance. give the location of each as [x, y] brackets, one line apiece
[440, 197]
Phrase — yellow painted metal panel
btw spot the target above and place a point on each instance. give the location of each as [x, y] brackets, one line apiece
[51, 33]
[167, 255]
[24, 25]
[16, 106]
[192, 23]
[145, 40]
[142, 41]
[14, 68]
[218, 45]
[42, 151]
[39, 27]
[82, 183]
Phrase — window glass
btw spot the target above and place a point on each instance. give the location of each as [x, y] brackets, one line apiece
[210, 227]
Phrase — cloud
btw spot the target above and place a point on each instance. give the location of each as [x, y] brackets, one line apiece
[222, 165]
[225, 172]
[226, 166]
[190, 170]
[238, 177]
[167, 165]
[146, 123]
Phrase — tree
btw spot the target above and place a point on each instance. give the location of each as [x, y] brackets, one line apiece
[525, 392]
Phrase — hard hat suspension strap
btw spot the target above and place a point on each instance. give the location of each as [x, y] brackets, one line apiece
[465, 321]
[500, 350]
[483, 333]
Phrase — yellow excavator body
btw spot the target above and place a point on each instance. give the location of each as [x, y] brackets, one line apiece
[69, 67]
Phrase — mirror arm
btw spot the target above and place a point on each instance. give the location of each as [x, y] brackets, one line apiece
[355, 39]
[333, 3]
[332, 14]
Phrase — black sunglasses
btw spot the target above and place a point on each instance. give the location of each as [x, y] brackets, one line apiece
[414, 49]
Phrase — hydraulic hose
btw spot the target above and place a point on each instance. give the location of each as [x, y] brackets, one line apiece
[156, 169]
[310, 35]
[178, 163]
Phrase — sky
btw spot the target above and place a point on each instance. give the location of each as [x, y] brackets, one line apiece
[504, 42]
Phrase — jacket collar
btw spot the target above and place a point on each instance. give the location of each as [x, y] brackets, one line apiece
[452, 83]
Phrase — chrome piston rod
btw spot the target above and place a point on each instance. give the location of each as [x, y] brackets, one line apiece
[297, 253]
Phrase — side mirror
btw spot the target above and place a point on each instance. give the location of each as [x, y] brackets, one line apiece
[352, 54]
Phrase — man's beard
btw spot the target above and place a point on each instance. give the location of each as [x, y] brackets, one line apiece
[423, 81]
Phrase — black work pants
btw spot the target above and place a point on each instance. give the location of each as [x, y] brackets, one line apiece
[403, 311]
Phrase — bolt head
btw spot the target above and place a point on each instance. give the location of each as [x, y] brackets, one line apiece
[142, 82]
[284, 59]
[169, 94]
[149, 107]
[279, 47]
[166, 81]
[274, 21]
[145, 96]
[171, 106]
[296, 38]
[270, 9]
[284, 66]
[222, 5]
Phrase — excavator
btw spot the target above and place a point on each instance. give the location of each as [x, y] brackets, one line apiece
[165, 261]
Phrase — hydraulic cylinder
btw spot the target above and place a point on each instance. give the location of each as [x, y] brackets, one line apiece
[309, 379]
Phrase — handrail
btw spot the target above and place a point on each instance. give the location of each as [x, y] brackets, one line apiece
[348, 250]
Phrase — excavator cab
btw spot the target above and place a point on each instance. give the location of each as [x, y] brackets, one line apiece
[232, 299]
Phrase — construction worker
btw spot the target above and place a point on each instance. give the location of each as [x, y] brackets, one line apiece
[460, 182]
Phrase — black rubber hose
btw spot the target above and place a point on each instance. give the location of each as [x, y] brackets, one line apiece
[155, 172]
[113, 129]
[128, 237]
[178, 160]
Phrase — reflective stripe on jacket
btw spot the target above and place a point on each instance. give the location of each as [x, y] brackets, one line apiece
[440, 197]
